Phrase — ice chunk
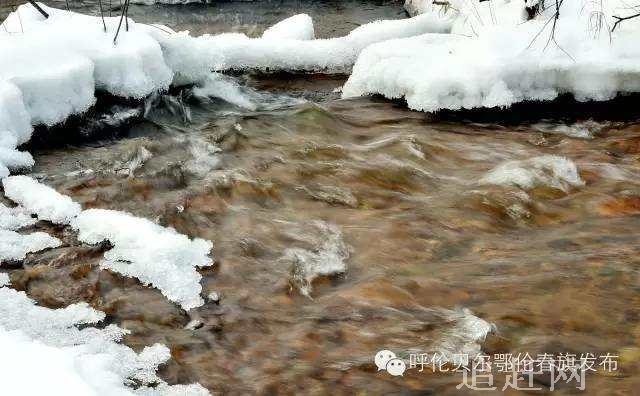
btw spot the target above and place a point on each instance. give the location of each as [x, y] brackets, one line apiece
[154, 254]
[44, 201]
[14, 246]
[496, 58]
[15, 218]
[326, 259]
[547, 170]
[297, 27]
[67, 355]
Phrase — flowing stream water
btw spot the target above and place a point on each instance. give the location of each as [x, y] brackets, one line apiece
[342, 227]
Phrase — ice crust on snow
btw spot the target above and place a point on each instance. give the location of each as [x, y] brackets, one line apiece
[69, 355]
[15, 246]
[154, 254]
[297, 27]
[495, 57]
[44, 201]
[548, 170]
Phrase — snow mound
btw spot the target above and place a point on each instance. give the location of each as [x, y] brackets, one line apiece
[14, 246]
[132, 68]
[68, 355]
[548, 170]
[154, 254]
[496, 57]
[44, 201]
[15, 218]
[326, 259]
[297, 27]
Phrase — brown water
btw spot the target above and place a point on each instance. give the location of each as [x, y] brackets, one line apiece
[394, 193]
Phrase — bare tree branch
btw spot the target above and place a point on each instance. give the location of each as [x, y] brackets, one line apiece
[622, 19]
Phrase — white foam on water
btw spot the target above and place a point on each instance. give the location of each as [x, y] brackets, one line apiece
[547, 170]
[326, 259]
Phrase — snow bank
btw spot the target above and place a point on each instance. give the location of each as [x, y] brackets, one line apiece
[548, 170]
[44, 201]
[155, 255]
[297, 27]
[496, 58]
[14, 246]
[67, 355]
[193, 58]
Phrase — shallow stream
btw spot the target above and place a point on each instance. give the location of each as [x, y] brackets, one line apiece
[342, 227]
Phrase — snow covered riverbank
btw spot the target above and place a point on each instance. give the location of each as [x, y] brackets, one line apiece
[77, 56]
[496, 56]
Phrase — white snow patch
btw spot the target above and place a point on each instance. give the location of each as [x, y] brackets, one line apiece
[297, 27]
[154, 254]
[66, 360]
[44, 201]
[547, 170]
[15, 218]
[14, 246]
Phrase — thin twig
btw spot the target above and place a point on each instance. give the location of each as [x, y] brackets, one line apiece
[621, 19]
[115, 38]
[126, 19]
[102, 15]
[37, 7]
